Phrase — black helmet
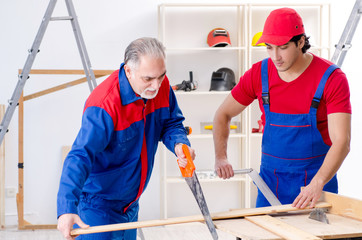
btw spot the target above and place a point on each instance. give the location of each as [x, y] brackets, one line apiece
[222, 80]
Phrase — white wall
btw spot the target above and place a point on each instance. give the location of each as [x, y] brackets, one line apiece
[53, 120]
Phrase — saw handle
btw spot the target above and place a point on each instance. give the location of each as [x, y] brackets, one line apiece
[187, 171]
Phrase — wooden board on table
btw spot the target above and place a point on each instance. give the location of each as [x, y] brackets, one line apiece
[65, 151]
[187, 219]
[344, 206]
[339, 227]
[280, 228]
[244, 229]
[189, 231]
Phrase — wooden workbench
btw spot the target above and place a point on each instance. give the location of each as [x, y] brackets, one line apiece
[345, 221]
[275, 222]
[338, 227]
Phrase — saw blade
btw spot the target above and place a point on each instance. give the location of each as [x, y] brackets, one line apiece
[195, 187]
[320, 215]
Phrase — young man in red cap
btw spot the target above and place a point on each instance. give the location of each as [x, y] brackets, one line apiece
[306, 113]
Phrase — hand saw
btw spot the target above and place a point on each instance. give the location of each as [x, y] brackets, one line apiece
[191, 179]
[317, 214]
[259, 182]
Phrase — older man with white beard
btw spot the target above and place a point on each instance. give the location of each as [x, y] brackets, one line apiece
[112, 157]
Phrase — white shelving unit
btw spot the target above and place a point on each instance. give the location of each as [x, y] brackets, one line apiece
[183, 29]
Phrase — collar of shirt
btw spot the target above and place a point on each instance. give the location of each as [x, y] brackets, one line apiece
[127, 94]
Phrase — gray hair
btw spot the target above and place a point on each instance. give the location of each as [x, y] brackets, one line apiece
[141, 47]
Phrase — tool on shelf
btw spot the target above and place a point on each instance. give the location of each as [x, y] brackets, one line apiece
[191, 179]
[188, 130]
[260, 129]
[187, 86]
[222, 80]
[209, 127]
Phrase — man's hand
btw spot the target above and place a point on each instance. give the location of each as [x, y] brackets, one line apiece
[66, 222]
[182, 161]
[224, 169]
[309, 196]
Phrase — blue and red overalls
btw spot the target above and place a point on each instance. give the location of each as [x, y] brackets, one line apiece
[293, 149]
[112, 157]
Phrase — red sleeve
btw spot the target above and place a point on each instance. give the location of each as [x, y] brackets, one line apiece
[245, 92]
[337, 94]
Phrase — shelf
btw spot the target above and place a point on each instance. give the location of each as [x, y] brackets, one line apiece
[199, 5]
[256, 135]
[262, 48]
[183, 29]
[204, 180]
[209, 136]
[196, 92]
[206, 49]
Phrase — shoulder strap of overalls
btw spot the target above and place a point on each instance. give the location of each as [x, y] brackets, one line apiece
[318, 94]
[265, 84]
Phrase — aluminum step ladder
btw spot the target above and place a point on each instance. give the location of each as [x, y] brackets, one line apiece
[13, 102]
[344, 43]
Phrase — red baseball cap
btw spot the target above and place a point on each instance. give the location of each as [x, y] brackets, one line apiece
[218, 37]
[281, 25]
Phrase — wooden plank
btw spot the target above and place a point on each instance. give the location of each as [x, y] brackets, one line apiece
[189, 231]
[65, 151]
[344, 206]
[339, 227]
[196, 218]
[57, 88]
[263, 210]
[66, 71]
[2, 174]
[245, 230]
[281, 228]
[132, 225]
[29, 226]
[22, 224]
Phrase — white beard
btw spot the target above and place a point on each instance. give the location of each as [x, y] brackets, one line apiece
[144, 95]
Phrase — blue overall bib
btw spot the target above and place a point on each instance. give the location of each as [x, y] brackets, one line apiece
[293, 149]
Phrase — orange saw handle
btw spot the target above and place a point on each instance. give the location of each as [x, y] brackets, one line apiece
[187, 171]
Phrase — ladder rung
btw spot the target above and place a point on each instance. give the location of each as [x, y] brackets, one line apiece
[344, 47]
[61, 18]
[1, 128]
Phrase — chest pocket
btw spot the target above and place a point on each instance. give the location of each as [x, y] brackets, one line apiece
[125, 141]
[156, 121]
[162, 115]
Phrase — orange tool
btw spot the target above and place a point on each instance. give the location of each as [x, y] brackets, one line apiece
[191, 178]
[210, 127]
[188, 130]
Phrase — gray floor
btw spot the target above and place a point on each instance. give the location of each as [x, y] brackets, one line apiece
[13, 233]
[187, 231]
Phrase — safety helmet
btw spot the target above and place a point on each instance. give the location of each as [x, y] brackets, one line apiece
[256, 39]
[218, 37]
[222, 80]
